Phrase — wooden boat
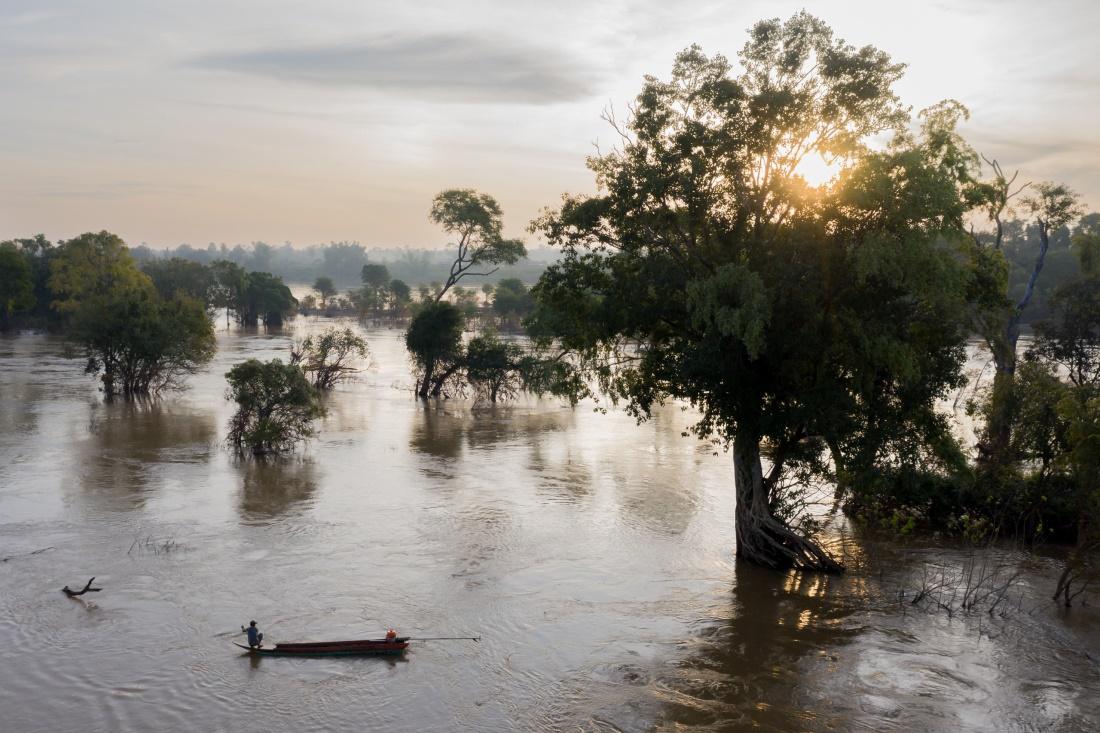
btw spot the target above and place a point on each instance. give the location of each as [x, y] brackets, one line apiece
[353, 647]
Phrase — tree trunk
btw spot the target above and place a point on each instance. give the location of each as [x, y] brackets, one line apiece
[761, 538]
[996, 453]
[425, 385]
[1002, 411]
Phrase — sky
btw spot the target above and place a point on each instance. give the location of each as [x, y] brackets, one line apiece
[233, 121]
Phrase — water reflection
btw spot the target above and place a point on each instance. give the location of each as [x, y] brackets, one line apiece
[448, 430]
[127, 445]
[275, 486]
[19, 404]
[751, 668]
[437, 432]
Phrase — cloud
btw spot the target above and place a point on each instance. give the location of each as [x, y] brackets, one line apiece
[445, 68]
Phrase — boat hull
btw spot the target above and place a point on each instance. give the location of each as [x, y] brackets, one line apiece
[367, 647]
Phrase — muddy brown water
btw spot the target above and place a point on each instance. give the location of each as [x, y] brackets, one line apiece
[592, 555]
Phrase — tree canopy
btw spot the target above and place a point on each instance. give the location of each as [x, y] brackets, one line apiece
[791, 316]
[276, 406]
[16, 282]
[329, 357]
[475, 218]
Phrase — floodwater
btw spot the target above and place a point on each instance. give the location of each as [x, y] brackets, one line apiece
[593, 556]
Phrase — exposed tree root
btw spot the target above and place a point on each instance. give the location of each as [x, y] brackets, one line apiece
[761, 538]
[764, 540]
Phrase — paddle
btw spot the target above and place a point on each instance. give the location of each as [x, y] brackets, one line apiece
[444, 638]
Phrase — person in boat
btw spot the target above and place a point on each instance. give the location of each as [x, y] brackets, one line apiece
[391, 636]
[255, 637]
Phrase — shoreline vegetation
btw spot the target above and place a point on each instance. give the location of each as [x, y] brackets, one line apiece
[815, 329]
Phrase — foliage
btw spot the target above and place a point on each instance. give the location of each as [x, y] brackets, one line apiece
[708, 270]
[265, 298]
[512, 300]
[177, 276]
[16, 283]
[476, 219]
[400, 294]
[276, 406]
[141, 343]
[92, 265]
[327, 357]
[494, 368]
[434, 339]
[376, 280]
[230, 283]
[324, 288]
[375, 275]
[138, 341]
[1070, 338]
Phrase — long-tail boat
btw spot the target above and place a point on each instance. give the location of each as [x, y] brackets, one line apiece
[354, 647]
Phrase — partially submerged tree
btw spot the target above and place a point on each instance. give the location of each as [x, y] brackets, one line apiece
[276, 406]
[140, 343]
[512, 301]
[137, 341]
[329, 357]
[265, 298]
[434, 340]
[376, 280]
[325, 289]
[475, 218]
[495, 369]
[434, 337]
[707, 269]
[230, 282]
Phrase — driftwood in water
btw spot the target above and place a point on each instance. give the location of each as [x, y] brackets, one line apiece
[28, 554]
[87, 589]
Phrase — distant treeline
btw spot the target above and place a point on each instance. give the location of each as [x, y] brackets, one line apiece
[42, 283]
[343, 261]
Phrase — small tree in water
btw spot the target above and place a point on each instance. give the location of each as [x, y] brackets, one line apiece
[276, 406]
[328, 357]
[434, 340]
[793, 317]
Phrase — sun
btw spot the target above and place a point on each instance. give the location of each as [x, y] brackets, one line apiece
[817, 170]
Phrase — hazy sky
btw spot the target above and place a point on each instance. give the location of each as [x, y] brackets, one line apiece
[237, 120]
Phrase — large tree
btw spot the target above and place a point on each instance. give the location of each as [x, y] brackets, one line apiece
[140, 343]
[708, 269]
[475, 219]
[434, 337]
[136, 340]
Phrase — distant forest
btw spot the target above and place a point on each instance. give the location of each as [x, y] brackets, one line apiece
[343, 261]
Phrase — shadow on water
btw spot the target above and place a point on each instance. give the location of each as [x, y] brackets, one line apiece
[130, 445]
[274, 486]
[749, 669]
